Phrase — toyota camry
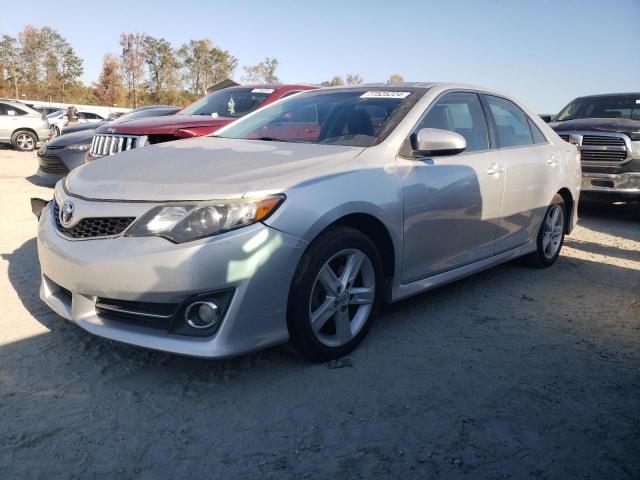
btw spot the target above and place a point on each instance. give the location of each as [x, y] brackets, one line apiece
[298, 220]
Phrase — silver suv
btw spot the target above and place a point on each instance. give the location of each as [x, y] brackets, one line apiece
[22, 126]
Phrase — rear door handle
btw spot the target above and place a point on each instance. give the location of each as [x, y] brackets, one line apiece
[551, 160]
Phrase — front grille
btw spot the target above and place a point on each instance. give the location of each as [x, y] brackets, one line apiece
[107, 144]
[603, 155]
[602, 140]
[93, 227]
[599, 148]
[52, 164]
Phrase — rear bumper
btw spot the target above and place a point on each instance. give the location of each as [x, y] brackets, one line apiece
[611, 183]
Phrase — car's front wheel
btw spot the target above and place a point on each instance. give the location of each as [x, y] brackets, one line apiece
[24, 140]
[551, 234]
[335, 294]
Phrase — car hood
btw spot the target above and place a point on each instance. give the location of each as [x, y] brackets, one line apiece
[82, 126]
[62, 141]
[207, 168]
[622, 125]
[166, 125]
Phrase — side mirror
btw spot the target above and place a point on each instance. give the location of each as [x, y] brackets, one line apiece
[546, 118]
[434, 142]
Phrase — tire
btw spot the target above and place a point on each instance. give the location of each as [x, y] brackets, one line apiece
[550, 236]
[24, 140]
[354, 298]
[56, 131]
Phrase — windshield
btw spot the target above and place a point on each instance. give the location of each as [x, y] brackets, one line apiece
[230, 102]
[55, 114]
[350, 117]
[609, 106]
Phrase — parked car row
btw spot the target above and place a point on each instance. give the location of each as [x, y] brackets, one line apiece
[296, 220]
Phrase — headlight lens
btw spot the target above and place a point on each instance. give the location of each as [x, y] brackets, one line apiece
[183, 222]
[635, 150]
[79, 147]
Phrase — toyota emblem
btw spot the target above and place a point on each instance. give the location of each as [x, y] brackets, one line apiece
[66, 213]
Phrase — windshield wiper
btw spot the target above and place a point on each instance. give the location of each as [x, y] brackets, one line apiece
[268, 139]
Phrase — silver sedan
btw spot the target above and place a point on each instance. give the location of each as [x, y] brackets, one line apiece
[297, 221]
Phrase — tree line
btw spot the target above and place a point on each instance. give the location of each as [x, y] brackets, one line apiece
[40, 64]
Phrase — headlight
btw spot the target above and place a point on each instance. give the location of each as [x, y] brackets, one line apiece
[183, 222]
[635, 150]
[79, 147]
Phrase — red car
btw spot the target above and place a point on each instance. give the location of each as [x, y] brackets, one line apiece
[201, 118]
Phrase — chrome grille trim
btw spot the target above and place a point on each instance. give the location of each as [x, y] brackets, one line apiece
[600, 149]
[109, 144]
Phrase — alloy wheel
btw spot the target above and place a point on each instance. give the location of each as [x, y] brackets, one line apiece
[553, 230]
[25, 142]
[342, 297]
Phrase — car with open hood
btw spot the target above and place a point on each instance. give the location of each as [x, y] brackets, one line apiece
[298, 220]
[202, 117]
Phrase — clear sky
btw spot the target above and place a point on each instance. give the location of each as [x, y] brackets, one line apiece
[544, 52]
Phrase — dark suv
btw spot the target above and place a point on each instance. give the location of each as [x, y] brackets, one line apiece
[607, 130]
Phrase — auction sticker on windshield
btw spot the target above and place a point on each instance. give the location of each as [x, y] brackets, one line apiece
[262, 90]
[382, 94]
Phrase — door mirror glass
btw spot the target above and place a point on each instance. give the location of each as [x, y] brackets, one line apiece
[434, 142]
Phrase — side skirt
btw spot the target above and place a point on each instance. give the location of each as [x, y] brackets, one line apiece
[419, 286]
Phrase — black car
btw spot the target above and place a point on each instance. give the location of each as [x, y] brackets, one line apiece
[66, 152]
[607, 130]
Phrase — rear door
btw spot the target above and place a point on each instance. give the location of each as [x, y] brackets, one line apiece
[5, 123]
[531, 166]
[452, 204]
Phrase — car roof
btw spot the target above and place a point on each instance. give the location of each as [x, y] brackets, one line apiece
[630, 94]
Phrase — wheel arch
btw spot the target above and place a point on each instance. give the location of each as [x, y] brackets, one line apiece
[379, 233]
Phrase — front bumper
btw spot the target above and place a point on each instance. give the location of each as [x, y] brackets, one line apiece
[614, 183]
[258, 262]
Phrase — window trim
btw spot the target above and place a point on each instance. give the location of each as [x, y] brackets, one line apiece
[407, 149]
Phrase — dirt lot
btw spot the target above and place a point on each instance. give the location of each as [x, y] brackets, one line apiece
[512, 373]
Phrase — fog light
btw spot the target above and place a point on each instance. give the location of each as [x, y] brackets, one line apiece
[202, 314]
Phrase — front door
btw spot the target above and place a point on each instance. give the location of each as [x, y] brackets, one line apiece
[452, 204]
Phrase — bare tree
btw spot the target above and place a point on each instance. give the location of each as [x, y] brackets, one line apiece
[133, 57]
[395, 78]
[353, 79]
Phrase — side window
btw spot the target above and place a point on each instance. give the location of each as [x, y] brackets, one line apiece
[538, 136]
[289, 93]
[3, 109]
[462, 113]
[511, 122]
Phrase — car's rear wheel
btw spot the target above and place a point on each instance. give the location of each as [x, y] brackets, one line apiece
[551, 234]
[335, 294]
[55, 130]
[24, 140]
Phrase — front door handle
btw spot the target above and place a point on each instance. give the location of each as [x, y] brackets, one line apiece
[495, 169]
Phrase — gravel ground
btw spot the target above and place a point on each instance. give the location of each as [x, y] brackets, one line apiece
[512, 373]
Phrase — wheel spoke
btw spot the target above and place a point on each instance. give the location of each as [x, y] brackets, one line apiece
[351, 269]
[546, 239]
[362, 296]
[322, 314]
[329, 280]
[343, 327]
